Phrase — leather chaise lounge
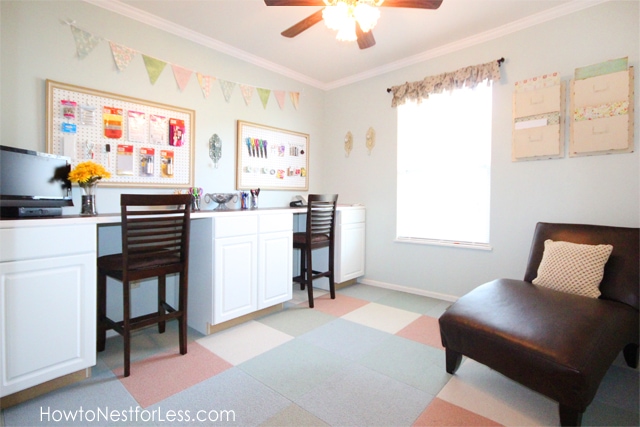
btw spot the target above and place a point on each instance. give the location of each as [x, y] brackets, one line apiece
[554, 342]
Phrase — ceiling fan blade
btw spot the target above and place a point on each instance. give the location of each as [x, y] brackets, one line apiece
[365, 40]
[414, 4]
[294, 2]
[306, 23]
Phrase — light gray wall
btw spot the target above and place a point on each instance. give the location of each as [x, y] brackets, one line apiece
[598, 189]
[36, 46]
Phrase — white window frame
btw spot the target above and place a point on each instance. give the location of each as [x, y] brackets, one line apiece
[454, 128]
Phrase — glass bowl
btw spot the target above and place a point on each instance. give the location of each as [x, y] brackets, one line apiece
[221, 199]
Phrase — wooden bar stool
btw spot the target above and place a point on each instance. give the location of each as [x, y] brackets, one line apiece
[155, 243]
[319, 233]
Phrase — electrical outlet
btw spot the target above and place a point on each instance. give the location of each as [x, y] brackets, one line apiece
[135, 284]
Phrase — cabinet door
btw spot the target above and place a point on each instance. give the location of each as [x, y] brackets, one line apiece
[235, 277]
[350, 255]
[48, 318]
[274, 268]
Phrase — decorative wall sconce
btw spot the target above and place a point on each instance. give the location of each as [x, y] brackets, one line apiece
[371, 139]
[348, 143]
[215, 149]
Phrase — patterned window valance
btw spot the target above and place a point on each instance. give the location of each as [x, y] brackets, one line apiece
[465, 77]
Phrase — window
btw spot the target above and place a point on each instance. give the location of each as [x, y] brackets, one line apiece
[444, 168]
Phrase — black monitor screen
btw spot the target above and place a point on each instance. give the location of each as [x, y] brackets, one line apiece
[32, 179]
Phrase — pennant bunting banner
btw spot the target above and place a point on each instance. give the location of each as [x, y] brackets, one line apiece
[227, 88]
[264, 96]
[205, 84]
[85, 42]
[295, 98]
[247, 93]
[182, 76]
[154, 67]
[122, 55]
[279, 94]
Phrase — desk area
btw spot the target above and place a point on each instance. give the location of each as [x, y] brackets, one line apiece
[241, 261]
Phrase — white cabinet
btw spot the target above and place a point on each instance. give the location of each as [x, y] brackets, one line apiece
[239, 263]
[48, 300]
[275, 243]
[350, 244]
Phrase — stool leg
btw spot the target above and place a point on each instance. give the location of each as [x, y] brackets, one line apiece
[303, 269]
[309, 277]
[126, 331]
[162, 296]
[101, 333]
[332, 283]
[182, 306]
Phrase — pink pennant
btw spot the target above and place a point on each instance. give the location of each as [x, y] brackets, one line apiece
[279, 94]
[247, 93]
[182, 76]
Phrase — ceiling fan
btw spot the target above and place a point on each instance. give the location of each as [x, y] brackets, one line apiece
[362, 26]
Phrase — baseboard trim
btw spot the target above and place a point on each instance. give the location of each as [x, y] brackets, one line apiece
[212, 329]
[46, 387]
[422, 292]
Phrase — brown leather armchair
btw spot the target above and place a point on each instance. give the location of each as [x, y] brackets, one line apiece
[556, 343]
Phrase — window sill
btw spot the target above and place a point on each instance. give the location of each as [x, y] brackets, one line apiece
[450, 243]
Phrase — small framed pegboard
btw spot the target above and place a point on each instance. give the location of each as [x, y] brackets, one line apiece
[142, 143]
[271, 159]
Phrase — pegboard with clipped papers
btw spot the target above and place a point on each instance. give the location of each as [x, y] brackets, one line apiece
[141, 143]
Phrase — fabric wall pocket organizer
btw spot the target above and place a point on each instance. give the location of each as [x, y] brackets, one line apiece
[538, 121]
[601, 109]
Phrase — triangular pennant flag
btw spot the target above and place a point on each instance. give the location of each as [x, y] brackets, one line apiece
[247, 93]
[122, 55]
[154, 67]
[279, 94]
[264, 96]
[205, 83]
[85, 42]
[295, 98]
[182, 76]
[227, 88]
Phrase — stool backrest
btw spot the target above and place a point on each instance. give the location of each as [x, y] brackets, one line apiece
[621, 281]
[321, 216]
[155, 230]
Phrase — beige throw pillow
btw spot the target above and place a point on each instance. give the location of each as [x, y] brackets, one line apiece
[572, 267]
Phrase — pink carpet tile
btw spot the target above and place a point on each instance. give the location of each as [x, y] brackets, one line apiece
[337, 307]
[424, 330]
[165, 374]
[441, 413]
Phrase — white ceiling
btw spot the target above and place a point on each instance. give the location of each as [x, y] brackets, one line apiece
[250, 30]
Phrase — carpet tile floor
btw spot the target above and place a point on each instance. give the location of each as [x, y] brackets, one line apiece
[371, 357]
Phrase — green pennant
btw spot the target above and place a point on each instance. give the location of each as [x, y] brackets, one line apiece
[154, 67]
[264, 96]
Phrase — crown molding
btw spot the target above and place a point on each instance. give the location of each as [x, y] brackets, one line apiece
[170, 27]
[495, 33]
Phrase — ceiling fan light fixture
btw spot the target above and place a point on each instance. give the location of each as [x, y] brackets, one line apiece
[366, 15]
[336, 16]
[341, 16]
[347, 33]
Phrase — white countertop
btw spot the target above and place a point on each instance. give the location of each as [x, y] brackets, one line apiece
[115, 217]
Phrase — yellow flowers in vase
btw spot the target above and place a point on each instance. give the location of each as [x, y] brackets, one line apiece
[87, 175]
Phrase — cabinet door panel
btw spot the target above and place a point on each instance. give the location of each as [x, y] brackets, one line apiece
[48, 319]
[235, 280]
[350, 252]
[274, 277]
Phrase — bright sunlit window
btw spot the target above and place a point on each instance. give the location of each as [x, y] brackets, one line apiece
[444, 168]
